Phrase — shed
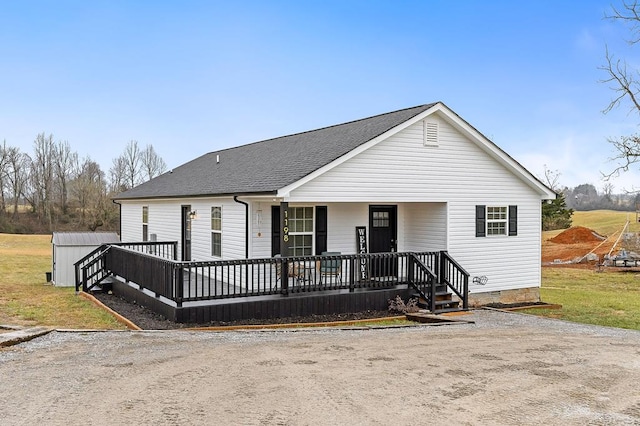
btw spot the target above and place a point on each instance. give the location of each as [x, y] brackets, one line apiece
[69, 247]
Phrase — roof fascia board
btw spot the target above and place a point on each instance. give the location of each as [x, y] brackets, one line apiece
[188, 197]
[285, 191]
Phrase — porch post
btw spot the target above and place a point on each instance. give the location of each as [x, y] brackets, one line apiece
[442, 269]
[284, 229]
[284, 246]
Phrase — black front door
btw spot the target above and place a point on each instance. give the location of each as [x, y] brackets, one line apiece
[186, 233]
[383, 234]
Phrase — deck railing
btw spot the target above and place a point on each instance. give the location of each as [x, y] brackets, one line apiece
[196, 281]
[91, 269]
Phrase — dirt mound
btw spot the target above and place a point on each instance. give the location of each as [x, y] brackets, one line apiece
[577, 234]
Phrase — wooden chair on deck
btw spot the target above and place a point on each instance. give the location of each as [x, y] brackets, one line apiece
[294, 269]
[330, 267]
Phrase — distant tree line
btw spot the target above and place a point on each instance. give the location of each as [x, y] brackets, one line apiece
[557, 213]
[52, 188]
[587, 197]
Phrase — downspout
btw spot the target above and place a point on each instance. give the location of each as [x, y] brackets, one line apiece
[119, 217]
[246, 225]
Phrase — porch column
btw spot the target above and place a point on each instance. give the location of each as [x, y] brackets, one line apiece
[284, 229]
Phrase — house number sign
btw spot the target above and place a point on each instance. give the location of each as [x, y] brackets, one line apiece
[361, 244]
[285, 225]
[284, 229]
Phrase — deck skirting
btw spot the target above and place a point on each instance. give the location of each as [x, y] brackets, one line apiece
[264, 308]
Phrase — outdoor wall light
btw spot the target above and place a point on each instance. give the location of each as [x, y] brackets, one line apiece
[193, 214]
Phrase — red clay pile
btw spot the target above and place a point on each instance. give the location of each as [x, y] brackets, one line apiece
[577, 234]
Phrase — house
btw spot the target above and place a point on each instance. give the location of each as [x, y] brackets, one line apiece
[420, 179]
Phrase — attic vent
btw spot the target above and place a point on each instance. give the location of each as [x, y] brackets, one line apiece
[430, 134]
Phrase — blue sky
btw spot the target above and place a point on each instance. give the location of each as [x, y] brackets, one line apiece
[190, 77]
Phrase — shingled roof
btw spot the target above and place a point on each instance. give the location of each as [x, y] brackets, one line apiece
[266, 166]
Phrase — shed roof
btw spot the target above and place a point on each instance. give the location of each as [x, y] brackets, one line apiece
[84, 238]
[266, 166]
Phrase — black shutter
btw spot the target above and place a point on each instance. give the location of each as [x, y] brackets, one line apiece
[513, 220]
[481, 216]
[275, 230]
[321, 229]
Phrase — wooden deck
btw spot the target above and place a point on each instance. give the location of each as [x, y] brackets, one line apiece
[201, 292]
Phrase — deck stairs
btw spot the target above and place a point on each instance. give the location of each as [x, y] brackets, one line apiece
[427, 284]
[445, 301]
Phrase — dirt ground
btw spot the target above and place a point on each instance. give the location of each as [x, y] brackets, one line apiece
[575, 243]
[505, 369]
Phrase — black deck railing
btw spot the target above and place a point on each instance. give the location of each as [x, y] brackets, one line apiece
[92, 269]
[212, 280]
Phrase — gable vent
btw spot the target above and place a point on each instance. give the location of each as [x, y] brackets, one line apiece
[430, 134]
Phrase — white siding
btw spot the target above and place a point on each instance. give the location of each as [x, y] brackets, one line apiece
[131, 221]
[425, 227]
[421, 227]
[261, 229]
[456, 175]
[165, 221]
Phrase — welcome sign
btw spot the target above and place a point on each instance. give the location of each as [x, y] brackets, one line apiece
[361, 244]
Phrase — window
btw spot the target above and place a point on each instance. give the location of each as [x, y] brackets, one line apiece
[216, 231]
[380, 219]
[300, 231]
[145, 223]
[496, 221]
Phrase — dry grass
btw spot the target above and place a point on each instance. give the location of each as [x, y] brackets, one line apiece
[609, 298]
[25, 298]
[606, 222]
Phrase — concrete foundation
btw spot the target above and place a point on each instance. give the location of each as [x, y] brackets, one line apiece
[521, 295]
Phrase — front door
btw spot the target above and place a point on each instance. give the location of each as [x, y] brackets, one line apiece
[186, 233]
[383, 234]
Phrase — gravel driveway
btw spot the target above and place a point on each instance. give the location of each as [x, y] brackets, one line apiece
[504, 369]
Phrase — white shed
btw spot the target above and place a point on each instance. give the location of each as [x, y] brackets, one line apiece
[69, 247]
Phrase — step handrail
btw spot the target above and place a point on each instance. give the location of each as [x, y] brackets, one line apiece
[88, 260]
[455, 277]
[417, 268]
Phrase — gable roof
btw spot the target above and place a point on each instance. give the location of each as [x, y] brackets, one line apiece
[282, 164]
[266, 166]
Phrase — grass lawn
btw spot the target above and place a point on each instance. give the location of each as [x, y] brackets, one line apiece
[25, 298]
[605, 222]
[609, 298]
[603, 298]
[590, 297]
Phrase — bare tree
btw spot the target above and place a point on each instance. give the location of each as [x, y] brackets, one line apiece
[551, 178]
[89, 189]
[41, 175]
[18, 175]
[4, 175]
[117, 177]
[65, 161]
[607, 191]
[152, 164]
[133, 164]
[624, 80]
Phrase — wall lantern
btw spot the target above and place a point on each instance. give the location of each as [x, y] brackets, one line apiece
[193, 214]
